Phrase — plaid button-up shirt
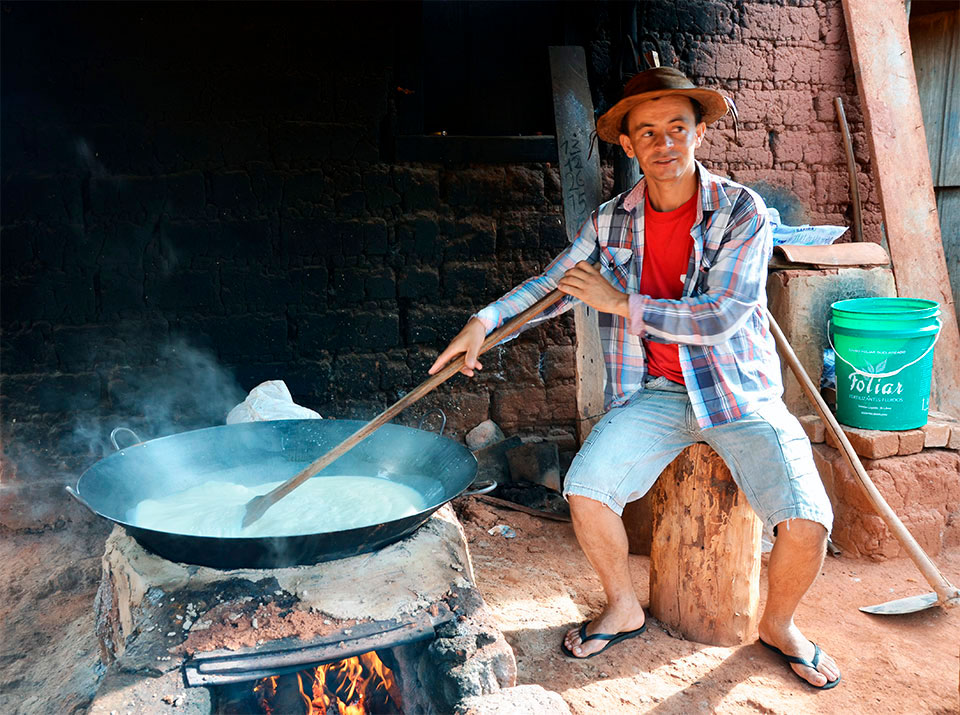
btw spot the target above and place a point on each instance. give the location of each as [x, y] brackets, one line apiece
[727, 353]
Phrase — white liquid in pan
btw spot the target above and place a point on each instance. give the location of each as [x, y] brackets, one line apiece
[321, 505]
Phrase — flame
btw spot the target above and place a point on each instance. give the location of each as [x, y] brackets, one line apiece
[355, 686]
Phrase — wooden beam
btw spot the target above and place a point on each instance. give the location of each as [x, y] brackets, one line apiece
[580, 178]
[887, 84]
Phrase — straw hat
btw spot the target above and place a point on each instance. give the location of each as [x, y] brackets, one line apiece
[653, 83]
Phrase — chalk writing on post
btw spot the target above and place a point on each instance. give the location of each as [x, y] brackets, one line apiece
[574, 181]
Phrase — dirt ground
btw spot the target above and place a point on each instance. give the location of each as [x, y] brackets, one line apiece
[538, 584]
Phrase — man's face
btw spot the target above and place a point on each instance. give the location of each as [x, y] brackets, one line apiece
[662, 136]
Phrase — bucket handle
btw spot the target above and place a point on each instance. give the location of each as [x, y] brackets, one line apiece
[881, 374]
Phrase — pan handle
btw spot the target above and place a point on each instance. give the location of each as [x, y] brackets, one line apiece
[484, 487]
[116, 430]
[76, 495]
[443, 424]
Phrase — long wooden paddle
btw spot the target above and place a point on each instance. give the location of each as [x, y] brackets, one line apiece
[946, 593]
[258, 505]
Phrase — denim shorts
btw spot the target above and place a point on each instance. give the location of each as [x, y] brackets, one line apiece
[767, 452]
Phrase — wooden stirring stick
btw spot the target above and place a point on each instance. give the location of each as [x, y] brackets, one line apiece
[258, 505]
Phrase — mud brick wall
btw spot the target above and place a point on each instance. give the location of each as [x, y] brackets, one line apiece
[195, 200]
[783, 63]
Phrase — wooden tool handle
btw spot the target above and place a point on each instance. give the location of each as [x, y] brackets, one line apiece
[947, 592]
[448, 371]
[851, 170]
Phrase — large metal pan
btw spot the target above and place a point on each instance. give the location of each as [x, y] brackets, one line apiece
[435, 466]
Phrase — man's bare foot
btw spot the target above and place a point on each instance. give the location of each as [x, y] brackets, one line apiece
[612, 620]
[791, 641]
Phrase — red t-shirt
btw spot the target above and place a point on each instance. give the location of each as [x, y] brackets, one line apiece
[666, 257]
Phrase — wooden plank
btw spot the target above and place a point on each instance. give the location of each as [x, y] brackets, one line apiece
[948, 207]
[580, 178]
[887, 85]
[928, 37]
[936, 57]
[950, 146]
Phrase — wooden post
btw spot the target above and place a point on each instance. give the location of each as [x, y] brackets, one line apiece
[887, 83]
[705, 551]
[580, 178]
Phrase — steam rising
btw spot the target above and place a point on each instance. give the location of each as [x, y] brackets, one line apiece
[185, 389]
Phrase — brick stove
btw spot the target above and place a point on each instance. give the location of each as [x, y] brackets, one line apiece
[181, 636]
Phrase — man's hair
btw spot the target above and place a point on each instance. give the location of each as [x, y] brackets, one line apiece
[697, 117]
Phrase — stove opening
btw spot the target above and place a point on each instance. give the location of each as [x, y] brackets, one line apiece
[361, 685]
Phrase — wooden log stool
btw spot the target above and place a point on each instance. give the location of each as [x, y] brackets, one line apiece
[704, 545]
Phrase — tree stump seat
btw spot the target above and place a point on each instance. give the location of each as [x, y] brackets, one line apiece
[704, 545]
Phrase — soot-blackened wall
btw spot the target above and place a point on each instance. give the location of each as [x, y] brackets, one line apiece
[196, 198]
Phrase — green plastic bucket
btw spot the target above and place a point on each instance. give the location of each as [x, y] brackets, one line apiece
[884, 349]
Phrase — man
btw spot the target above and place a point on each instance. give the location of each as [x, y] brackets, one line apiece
[676, 268]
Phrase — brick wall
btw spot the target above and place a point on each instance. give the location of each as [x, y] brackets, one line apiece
[783, 63]
[183, 177]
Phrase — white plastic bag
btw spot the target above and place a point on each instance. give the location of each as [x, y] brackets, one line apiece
[270, 400]
[805, 235]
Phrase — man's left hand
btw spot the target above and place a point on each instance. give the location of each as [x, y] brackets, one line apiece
[584, 281]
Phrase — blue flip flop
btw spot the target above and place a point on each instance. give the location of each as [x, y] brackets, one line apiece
[611, 640]
[812, 664]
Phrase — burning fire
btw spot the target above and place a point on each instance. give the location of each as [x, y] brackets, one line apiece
[356, 686]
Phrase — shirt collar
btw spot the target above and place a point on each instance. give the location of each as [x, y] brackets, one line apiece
[712, 195]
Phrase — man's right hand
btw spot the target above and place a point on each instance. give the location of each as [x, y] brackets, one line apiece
[467, 341]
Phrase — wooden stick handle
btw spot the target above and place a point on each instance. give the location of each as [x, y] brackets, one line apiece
[448, 371]
[947, 592]
[851, 170]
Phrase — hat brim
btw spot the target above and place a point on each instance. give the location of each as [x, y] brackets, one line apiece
[608, 126]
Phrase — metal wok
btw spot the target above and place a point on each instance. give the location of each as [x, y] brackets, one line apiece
[435, 466]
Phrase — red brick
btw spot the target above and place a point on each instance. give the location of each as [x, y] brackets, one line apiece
[790, 147]
[954, 442]
[559, 362]
[799, 23]
[750, 105]
[762, 21]
[911, 441]
[836, 33]
[803, 186]
[830, 185]
[799, 110]
[513, 406]
[834, 65]
[937, 434]
[823, 457]
[753, 64]
[814, 428]
[872, 444]
[727, 61]
[562, 401]
[797, 64]
[756, 157]
[521, 363]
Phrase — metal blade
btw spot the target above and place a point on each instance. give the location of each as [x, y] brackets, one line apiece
[910, 604]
